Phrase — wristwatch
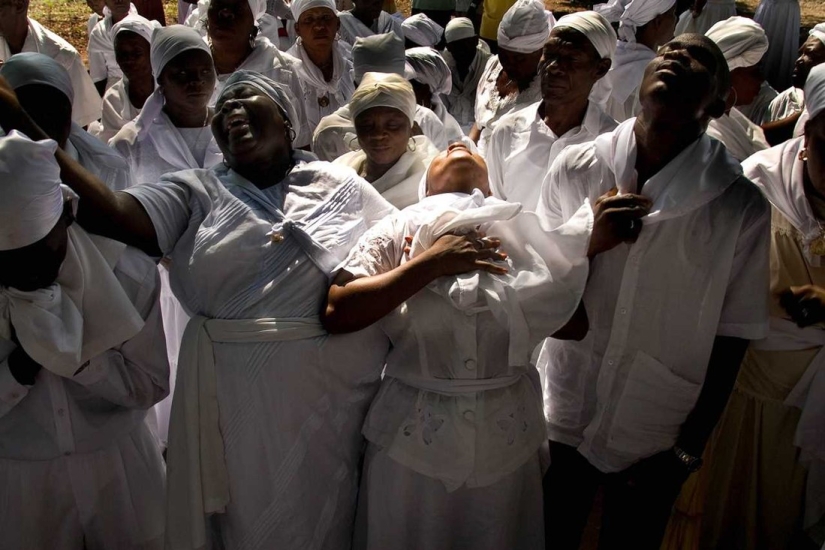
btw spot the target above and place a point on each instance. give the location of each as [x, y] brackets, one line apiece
[692, 463]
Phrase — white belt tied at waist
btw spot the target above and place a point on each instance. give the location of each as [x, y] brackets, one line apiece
[460, 386]
[807, 395]
[198, 481]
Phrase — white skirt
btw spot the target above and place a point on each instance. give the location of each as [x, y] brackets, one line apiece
[714, 11]
[113, 498]
[404, 510]
[780, 19]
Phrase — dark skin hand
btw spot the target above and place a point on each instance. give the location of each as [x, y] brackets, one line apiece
[612, 217]
[805, 304]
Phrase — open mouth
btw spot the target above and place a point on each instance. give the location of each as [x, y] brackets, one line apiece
[236, 122]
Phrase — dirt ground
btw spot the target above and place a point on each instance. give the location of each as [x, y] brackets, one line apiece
[68, 17]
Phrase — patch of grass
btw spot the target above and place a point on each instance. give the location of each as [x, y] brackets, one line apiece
[68, 17]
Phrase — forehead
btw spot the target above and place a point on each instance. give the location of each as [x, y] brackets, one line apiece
[188, 58]
[229, 4]
[700, 50]
[315, 13]
[380, 113]
[814, 45]
[130, 39]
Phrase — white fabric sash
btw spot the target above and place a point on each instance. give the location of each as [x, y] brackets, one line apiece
[807, 396]
[84, 313]
[197, 477]
[312, 75]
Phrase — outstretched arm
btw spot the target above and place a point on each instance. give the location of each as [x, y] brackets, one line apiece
[115, 215]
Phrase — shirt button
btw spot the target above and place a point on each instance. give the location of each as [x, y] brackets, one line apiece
[469, 415]
[60, 412]
[610, 361]
[470, 364]
[624, 311]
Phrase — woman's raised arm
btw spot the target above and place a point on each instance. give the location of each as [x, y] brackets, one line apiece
[115, 215]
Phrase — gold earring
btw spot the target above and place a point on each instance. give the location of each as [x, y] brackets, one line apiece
[803, 155]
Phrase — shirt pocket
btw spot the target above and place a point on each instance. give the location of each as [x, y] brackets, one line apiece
[652, 408]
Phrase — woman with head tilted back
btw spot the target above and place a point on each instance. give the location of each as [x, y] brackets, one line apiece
[390, 158]
[325, 72]
[253, 242]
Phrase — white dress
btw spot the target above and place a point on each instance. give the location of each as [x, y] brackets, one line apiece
[101, 51]
[624, 391]
[787, 103]
[87, 103]
[319, 97]
[401, 182]
[456, 429]
[618, 91]
[780, 19]
[490, 107]
[740, 136]
[759, 109]
[352, 27]
[117, 111]
[290, 412]
[523, 148]
[713, 12]
[79, 468]
[461, 101]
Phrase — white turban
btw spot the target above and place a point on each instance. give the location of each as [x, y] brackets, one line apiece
[380, 53]
[35, 68]
[458, 29]
[136, 24]
[170, 42]
[383, 90]
[815, 91]
[595, 28]
[31, 200]
[300, 6]
[428, 67]
[273, 90]
[422, 30]
[612, 10]
[639, 13]
[525, 27]
[818, 32]
[743, 41]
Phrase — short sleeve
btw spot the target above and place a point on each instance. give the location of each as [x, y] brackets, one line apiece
[168, 205]
[745, 310]
[549, 209]
[379, 250]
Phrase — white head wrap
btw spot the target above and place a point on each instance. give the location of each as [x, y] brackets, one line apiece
[458, 29]
[428, 67]
[136, 24]
[595, 28]
[612, 10]
[818, 32]
[639, 13]
[815, 91]
[743, 41]
[422, 30]
[300, 6]
[170, 42]
[380, 53]
[273, 90]
[31, 200]
[525, 27]
[35, 68]
[383, 90]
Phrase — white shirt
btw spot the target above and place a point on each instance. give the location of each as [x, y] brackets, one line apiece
[352, 27]
[786, 103]
[742, 137]
[522, 149]
[698, 270]
[490, 107]
[117, 111]
[618, 91]
[101, 51]
[461, 101]
[87, 103]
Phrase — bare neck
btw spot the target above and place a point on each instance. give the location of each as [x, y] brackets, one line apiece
[16, 33]
[228, 55]
[659, 141]
[563, 116]
[321, 58]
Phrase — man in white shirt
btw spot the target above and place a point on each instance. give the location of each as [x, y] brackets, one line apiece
[644, 26]
[82, 357]
[525, 143]
[466, 55]
[18, 34]
[630, 407]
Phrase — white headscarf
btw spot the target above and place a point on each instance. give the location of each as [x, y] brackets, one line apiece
[595, 28]
[428, 67]
[380, 53]
[458, 29]
[612, 10]
[31, 200]
[422, 30]
[743, 41]
[136, 24]
[383, 90]
[815, 91]
[818, 32]
[167, 43]
[525, 27]
[300, 6]
[639, 13]
[273, 90]
[35, 68]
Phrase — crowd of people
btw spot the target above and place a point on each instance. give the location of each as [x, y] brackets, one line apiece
[313, 275]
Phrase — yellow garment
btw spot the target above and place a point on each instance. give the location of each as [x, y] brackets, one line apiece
[494, 11]
[750, 494]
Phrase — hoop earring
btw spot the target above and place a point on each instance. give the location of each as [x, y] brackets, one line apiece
[411, 148]
[252, 40]
[353, 139]
[735, 96]
[803, 155]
